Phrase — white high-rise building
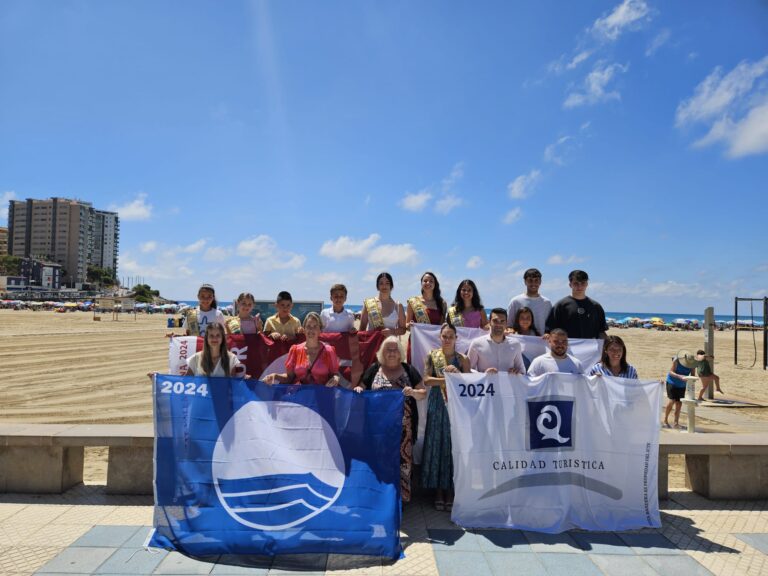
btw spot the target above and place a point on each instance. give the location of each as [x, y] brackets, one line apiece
[69, 232]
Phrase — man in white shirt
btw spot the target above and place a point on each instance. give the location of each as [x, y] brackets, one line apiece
[494, 352]
[539, 305]
[557, 359]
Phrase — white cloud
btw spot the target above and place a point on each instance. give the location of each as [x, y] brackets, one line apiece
[390, 254]
[457, 173]
[448, 203]
[474, 262]
[735, 105]
[557, 152]
[137, 209]
[557, 259]
[715, 95]
[628, 14]
[5, 198]
[367, 249]
[594, 88]
[522, 186]
[157, 271]
[415, 202]
[513, 216]
[347, 247]
[148, 247]
[448, 199]
[195, 247]
[658, 41]
[217, 254]
[578, 59]
[265, 254]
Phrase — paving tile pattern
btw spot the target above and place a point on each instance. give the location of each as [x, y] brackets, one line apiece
[86, 531]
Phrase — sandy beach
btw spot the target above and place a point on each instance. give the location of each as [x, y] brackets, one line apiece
[68, 368]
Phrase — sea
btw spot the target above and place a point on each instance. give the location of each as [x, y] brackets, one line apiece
[667, 317]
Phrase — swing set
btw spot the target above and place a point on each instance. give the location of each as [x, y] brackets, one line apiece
[752, 328]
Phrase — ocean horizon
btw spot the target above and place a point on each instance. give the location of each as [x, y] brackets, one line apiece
[665, 316]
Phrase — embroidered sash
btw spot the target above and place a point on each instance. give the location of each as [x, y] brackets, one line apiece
[419, 310]
[439, 363]
[456, 318]
[233, 323]
[375, 319]
[191, 323]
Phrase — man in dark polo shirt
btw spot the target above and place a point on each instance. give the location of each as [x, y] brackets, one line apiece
[577, 314]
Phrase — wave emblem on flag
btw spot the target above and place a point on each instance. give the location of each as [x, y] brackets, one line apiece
[277, 464]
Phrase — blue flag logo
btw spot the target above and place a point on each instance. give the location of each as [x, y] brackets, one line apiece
[246, 468]
[274, 493]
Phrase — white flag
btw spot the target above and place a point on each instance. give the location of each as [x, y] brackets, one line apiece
[556, 452]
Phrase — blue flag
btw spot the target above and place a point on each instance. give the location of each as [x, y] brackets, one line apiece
[246, 468]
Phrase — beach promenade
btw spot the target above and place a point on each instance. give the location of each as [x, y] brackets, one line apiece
[86, 531]
[66, 368]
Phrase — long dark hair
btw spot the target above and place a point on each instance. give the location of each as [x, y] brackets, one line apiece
[614, 340]
[388, 276]
[207, 363]
[516, 322]
[436, 292]
[458, 301]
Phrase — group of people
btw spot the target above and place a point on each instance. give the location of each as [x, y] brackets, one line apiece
[314, 362]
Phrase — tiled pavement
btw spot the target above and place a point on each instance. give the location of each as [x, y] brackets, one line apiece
[86, 531]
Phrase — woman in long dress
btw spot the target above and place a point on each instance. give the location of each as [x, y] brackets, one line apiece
[437, 461]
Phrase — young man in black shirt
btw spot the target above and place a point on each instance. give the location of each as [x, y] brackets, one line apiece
[577, 314]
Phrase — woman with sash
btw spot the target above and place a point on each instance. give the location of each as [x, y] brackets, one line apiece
[437, 461]
[382, 312]
[429, 308]
[467, 309]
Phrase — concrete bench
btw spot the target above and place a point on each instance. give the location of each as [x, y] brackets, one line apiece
[48, 458]
[719, 466]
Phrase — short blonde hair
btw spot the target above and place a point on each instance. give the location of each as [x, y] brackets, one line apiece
[313, 316]
[388, 340]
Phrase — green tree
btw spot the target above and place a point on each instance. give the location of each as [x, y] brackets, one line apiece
[144, 293]
[10, 265]
[100, 276]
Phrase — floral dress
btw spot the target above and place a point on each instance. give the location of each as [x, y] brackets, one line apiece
[406, 439]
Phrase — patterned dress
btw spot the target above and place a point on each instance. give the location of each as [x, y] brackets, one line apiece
[437, 461]
[406, 440]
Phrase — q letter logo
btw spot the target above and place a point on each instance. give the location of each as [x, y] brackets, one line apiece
[549, 424]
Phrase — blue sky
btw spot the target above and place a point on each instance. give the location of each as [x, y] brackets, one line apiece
[264, 146]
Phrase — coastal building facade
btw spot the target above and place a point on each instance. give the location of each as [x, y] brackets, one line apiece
[68, 232]
[3, 241]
